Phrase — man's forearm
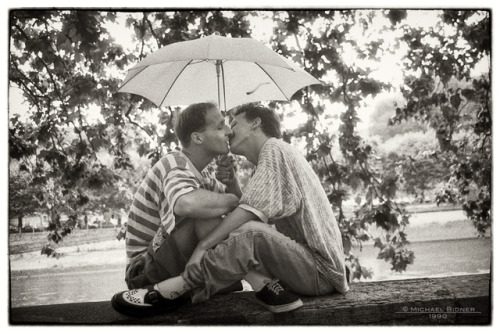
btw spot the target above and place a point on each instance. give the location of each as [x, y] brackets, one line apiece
[234, 188]
[202, 203]
[231, 222]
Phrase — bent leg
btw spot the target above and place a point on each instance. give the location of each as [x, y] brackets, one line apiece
[171, 258]
[254, 278]
[202, 229]
[258, 246]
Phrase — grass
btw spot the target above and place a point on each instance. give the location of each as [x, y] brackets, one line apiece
[431, 207]
[29, 242]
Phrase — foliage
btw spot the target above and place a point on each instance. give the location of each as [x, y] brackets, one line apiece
[19, 196]
[383, 112]
[442, 90]
[61, 61]
[413, 157]
[69, 67]
[321, 53]
[21, 200]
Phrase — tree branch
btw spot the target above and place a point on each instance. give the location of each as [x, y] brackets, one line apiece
[127, 115]
[49, 72]
[15, 65]
[150, 25]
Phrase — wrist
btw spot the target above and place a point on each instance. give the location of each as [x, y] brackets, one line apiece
[233, 201]
[202, 246]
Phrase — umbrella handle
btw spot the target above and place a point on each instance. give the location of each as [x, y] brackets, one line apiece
[218, 64]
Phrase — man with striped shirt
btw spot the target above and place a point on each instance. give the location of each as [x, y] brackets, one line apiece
[179, 200]
[177, 205]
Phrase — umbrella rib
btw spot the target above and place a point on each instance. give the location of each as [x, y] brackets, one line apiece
[223, 86]
[132, 78]
[173, 83]
[270, 77]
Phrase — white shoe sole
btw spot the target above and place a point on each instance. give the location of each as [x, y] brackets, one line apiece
[282, 308]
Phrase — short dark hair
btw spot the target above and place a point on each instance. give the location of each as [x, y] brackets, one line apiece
[192, 119]
[270, 122]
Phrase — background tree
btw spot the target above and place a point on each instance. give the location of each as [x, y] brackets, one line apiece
[58, 60]
[21, 196]
[413, 156]
[381, 117]
[443, 90]
[325, 36]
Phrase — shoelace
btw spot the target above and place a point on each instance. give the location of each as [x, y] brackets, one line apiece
[275, 287]
[131, 296]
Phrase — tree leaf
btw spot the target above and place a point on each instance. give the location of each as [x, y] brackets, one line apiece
[456, 100]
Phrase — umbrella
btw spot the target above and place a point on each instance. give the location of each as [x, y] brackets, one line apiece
[214, 68]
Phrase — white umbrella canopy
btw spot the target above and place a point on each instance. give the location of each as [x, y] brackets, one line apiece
[229, 71]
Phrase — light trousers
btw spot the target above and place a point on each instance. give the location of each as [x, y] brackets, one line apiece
[258, 246]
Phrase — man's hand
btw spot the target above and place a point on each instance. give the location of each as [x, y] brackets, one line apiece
[192, 273]
[225, 169]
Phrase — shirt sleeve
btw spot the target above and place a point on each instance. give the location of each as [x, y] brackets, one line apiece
[178, 182]
[256, 212]
[269, 195]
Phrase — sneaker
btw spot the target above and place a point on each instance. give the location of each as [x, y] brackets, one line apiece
[142, 302]
[277, 297]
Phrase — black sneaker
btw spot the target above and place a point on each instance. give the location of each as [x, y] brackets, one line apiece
[128, 303]
[278, 298]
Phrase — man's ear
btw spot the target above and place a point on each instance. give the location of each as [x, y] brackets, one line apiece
[196, 138]
[256, 123]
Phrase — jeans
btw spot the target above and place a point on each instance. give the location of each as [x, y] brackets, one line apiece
[258, 246]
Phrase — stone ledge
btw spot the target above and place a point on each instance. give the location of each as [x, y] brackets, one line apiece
[426, 301]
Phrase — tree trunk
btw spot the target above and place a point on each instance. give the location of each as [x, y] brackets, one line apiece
[20, 224]
[51, 217]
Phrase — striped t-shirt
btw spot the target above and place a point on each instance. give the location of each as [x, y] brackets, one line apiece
[174, 175]
[285, 191]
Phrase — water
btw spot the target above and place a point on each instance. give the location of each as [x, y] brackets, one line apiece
[98, 284]
[445, 243]
[433, 259]
[423, 218]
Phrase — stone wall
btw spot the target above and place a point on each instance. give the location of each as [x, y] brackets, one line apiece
[428, 301]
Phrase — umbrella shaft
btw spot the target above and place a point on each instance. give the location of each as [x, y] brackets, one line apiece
[218, 65]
